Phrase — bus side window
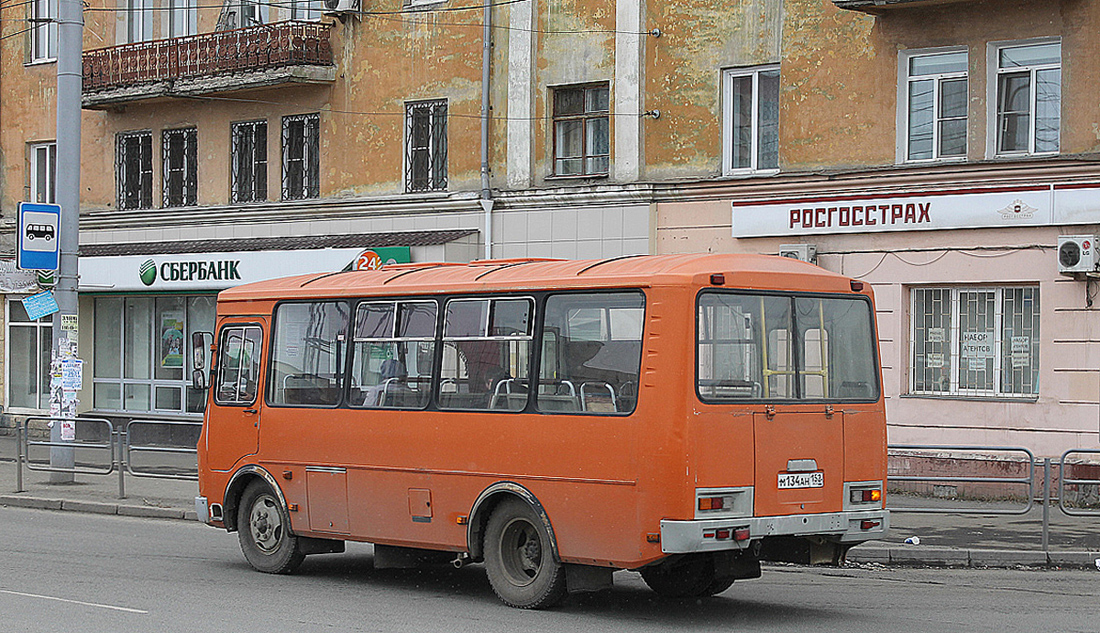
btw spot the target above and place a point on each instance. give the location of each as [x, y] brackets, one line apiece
[594, 344]
[486, 353]
[307, 363]
[392, 354]
[238, 365]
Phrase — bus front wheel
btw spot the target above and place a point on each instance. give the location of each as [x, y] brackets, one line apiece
[518, 558]
[263, 528]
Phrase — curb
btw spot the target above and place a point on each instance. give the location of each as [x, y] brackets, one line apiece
[986, 558]
[146, 512]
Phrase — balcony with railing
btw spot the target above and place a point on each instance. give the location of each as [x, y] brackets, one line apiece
[879, 7]
[209, 63]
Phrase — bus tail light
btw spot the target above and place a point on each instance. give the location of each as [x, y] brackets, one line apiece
[712, 503]
[869, 525]
[866, 495]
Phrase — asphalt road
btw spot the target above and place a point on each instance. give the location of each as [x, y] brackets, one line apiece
[80, 573]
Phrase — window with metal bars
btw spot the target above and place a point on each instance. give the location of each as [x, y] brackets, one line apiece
[976, 341]
[179, 159]
[249, 161]
[134, 163]
[582, 131]
[301, 146]
[426, 146]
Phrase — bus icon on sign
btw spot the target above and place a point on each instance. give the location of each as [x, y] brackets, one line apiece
[41, 231]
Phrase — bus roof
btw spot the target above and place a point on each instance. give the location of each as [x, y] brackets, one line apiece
[761, 272]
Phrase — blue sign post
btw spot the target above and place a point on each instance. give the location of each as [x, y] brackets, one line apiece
[39, 236]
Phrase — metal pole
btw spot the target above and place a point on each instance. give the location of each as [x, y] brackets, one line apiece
[19, 458]
[121, 463]
[70, 44]
[1046, 504]
[486, 201]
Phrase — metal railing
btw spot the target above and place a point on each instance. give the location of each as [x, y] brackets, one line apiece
[239, 50]
[115, 453]
[1063, 481]
[1027, 481]
[1044, 494]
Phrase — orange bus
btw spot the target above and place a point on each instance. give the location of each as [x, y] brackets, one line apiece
[685, 416]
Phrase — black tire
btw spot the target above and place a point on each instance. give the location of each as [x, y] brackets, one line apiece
[691, 576]
[263, 529]
[519, 560]
[718, 586]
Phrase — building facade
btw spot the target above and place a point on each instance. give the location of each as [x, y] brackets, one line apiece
[936, 149]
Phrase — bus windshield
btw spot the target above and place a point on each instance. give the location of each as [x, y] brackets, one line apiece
[785, 347]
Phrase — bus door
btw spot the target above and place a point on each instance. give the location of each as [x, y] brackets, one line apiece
[233, 424]
[799, 462]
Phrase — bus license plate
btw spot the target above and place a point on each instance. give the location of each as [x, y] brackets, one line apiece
[788, 481]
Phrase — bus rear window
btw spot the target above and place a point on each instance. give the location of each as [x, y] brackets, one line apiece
[785, 347]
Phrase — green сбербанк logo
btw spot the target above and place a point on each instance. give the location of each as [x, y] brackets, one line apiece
[148, 272]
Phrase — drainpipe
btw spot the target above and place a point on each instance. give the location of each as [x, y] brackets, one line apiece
[486, 200]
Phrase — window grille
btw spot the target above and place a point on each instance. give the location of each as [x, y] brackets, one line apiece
[975, 341]
[179, 159]
[426, 146]
[134, 158]
[249, 162]
[301, 145]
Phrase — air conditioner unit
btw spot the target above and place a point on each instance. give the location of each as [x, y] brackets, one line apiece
[340, 7]
[1077, 254]
[801, 252]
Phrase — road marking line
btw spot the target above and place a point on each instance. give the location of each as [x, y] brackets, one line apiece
[86, 604]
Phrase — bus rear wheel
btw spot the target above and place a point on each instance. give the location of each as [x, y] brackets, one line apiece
[263, 529]
[691, 576]
[518, 558]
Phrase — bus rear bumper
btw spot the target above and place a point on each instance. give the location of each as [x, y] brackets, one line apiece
[712, 535]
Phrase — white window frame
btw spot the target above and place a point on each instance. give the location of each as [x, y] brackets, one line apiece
[181, 18]
[728, 77]
[43, 42]
[305, 10]
[904, 80]
[993, 74]
[37, 153]
[139, 21]
[951, 352]
[44, 333]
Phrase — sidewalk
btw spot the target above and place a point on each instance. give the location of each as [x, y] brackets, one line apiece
[945, 539]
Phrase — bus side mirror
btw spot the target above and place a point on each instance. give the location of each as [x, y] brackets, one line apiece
[200, 345]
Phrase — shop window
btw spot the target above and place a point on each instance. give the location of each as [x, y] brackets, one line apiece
[180, 161]
[936, 105]
[974, 341]
[43, 172]
[582, 130]
[249, 161]
[140, 360]
[309, 354]
[43, 30]
[1029, 98]
[29, 350]
[426, 146]
[751, 120]
[134, 156]
[301, 145]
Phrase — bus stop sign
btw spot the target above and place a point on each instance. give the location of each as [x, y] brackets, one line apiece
[39, 236]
